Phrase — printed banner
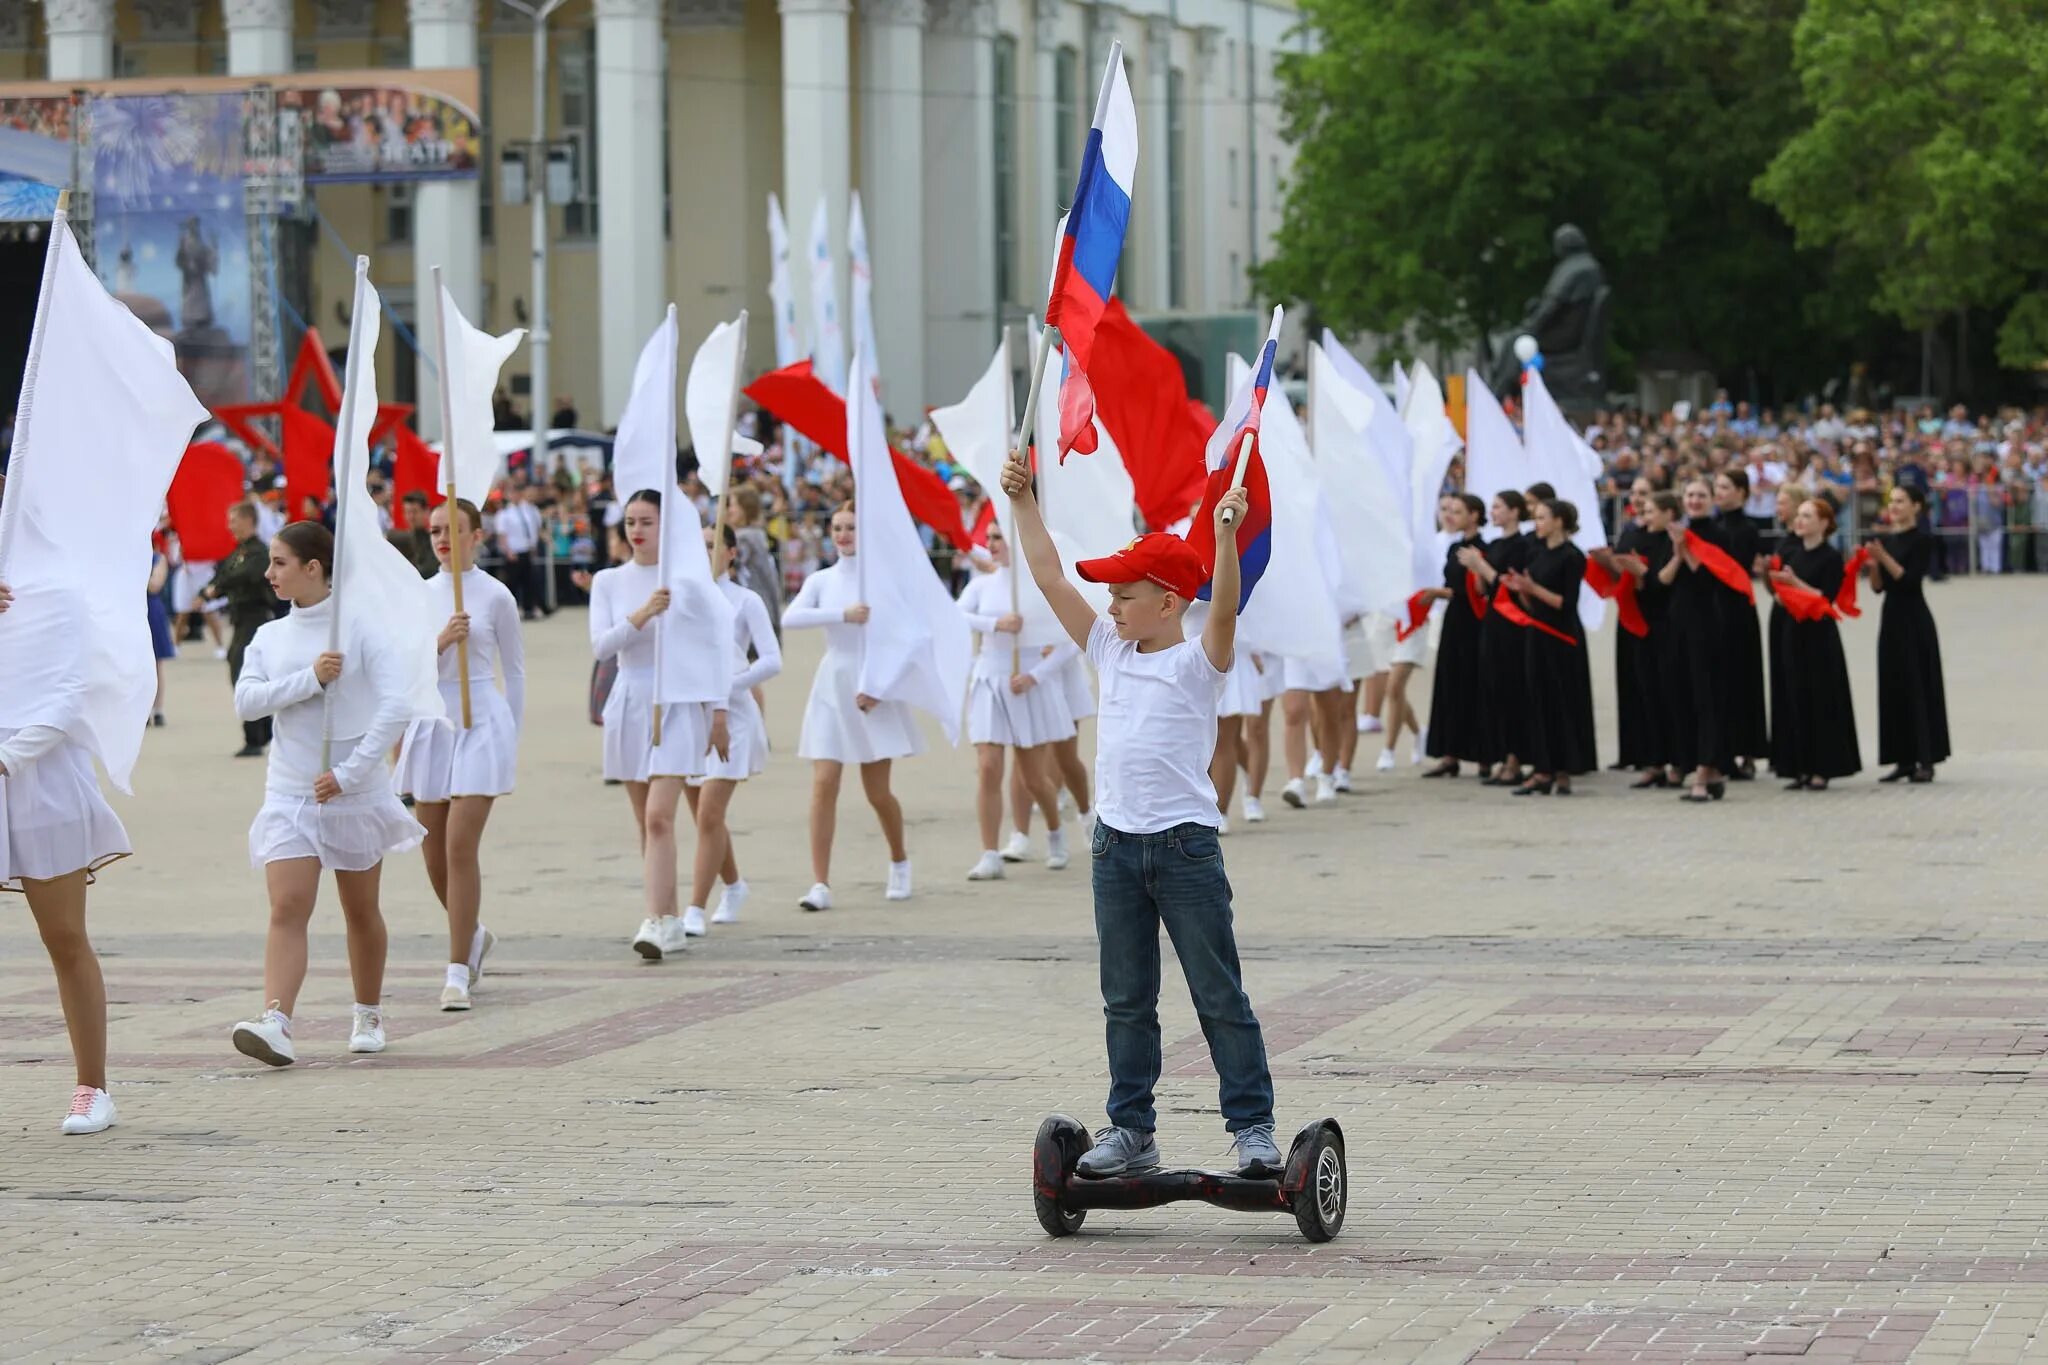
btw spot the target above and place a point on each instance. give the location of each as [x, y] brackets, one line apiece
[383, 133]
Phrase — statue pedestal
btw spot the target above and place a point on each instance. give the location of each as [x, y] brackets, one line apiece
[214, 365]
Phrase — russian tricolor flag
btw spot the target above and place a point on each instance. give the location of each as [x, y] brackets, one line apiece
[1091, 246]
[1240, 427]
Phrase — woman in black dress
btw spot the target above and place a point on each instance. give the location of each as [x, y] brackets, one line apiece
[1748, 725]
[1457, 711]
[1560, 721]
[1502, 651]
[1699, 616]
[1822, 715]
[1783, 758]
[1632, 706]
[1912, 710]
[1660, 654]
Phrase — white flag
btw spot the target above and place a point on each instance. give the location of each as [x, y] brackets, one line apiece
[373, 580]
[830, 354]
[1494, 459]
[708, 401]
[101, 428]
[1370, 513]
[863, 272]
[695, 660]
[470, 361]
[1436, 444]
[1561, 459]
[916, 647]
[789, 336]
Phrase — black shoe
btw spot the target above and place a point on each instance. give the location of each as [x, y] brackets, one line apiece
[1619, 767]
[1745, 774]
[1717, 790]
[1443, 770]
[1696, 797]
[1921, 775]
[1534, 788]
[1649, 780]
[1817, 784]
[157, 720]
[1898, 774]
[249, 751]
[1797, 784]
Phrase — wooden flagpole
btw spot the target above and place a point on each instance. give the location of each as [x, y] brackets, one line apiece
[1010, 531]
[669, 509]
[448, 461]
[344, 439]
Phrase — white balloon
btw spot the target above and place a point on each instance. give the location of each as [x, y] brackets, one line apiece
[1525, 348]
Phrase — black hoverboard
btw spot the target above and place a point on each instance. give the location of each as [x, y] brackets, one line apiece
[1312, 1187]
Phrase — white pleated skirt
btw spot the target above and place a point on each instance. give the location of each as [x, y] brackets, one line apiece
[996, 715]
[1360, 661]
[1304, 675]
[630, 754]
[1244, 689]
[54, 821]
[746, 747]
[440, 760]
[352, 833]
[1388, 648]
[838, 731]
[1079, 688]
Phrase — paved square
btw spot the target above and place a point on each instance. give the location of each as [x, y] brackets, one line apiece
[1622, 1078]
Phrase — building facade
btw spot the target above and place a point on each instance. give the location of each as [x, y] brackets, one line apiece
[960, 122]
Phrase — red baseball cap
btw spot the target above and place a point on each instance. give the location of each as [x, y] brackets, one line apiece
[1156, 557]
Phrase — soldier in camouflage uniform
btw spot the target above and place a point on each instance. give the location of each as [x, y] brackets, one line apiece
[239, 581]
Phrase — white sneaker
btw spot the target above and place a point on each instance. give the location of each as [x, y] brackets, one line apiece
[267, 1038]
[480, 948]
[1222, 825]
[1421, 743]
[1295, 793]
[1343, 779]
[220, 653]
[455, 993]
[1254, 811]
[1019, 847]
[92, 1111]
[1326, 790]
[674, 937]
[1370, 725]
[693, 921]
[899, 882]
[819, 897]
[1056, 850]
[1315, 764]
[1085, 822]
[729, 902]
[1385, 762]
[647, 942]
[367, 1033]
[987, 868]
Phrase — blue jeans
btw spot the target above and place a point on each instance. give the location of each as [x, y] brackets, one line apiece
[1176, 876]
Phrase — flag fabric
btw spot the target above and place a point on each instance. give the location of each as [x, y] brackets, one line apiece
[1087, 504]
[470, 361]
[209, 481]
[1721, 565]
[1494, 459]
[862, 271]
[916, 648]
[1436, 445]
[830, 341]
[798, 398]
[1852, 570]
[373, 580]
[789, 335]
[691, 666]
[416, 468]
[1393, 446]
[1092, 240]
[708, 397]
[1144, 406]
[99, 432]
[1239, 429]
[1558, 456]
[1367, 508]
[1401, 386]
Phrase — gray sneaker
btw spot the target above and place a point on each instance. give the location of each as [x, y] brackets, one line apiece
[1118, 1151]
[1256, 1155]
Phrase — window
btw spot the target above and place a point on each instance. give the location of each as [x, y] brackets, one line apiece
[487, 159]
[394, 50]
[397, 213]
[579, 129]
[1006, 165]
[1233, 177]
[1066, 121]
[1230, 66]
[1236, 275]
[1176, 189]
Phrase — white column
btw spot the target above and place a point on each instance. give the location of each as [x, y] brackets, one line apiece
[259, 36]
[959, 165]
[1040, 201]
[633, 292]
[1155, 206]
[81, 39]
[445, 231]
[892, 193]
[1208, 253]
[817, 139]
[714, 217]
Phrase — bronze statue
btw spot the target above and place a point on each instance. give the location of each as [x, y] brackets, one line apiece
[1569, 323]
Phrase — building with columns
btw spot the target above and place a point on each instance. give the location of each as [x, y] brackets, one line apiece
[959, 121]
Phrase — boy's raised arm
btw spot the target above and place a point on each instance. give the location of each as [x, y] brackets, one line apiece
[1042, 555]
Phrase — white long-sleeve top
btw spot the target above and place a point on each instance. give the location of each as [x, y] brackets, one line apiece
[984, 601]
[615, 594]
[751, 629]
[26, 745]
[822, 601]
[496, 650]
[370, 699]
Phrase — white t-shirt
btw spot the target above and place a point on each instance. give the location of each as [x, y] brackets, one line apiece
[518, 528]
[1765, 477]
[1155, 732]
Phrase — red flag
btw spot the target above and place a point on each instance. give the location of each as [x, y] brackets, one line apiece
[1622, 589]
[1511, 611]
[1077, 414]
[1845, 598]
[801, 400]
[1473, 596]
[415, 469]
[1142, 400]
[983, 519]
[308, 461]
[1417, 618]
[1721, 565]
[210, 480]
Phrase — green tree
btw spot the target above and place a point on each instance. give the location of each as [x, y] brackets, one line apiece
[1921, 165]
[1440, 141]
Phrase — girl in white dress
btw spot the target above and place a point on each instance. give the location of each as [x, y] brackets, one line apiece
[841, 724]
[333, 811]
[56, 831]
[1015, 699]
[454, 774]
[746, 742]
[625, 602]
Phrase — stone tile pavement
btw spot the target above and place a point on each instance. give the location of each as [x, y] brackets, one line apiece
[1622, 1080]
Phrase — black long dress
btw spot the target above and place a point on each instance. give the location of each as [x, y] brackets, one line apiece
[1822, 714]
[1561, 738]
[1748, 725]
[1659, 658]
[1631, 703]
[1912, 708]
[1784, 759]
[1503, 660]
[1698, 617]
[1457, 709]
